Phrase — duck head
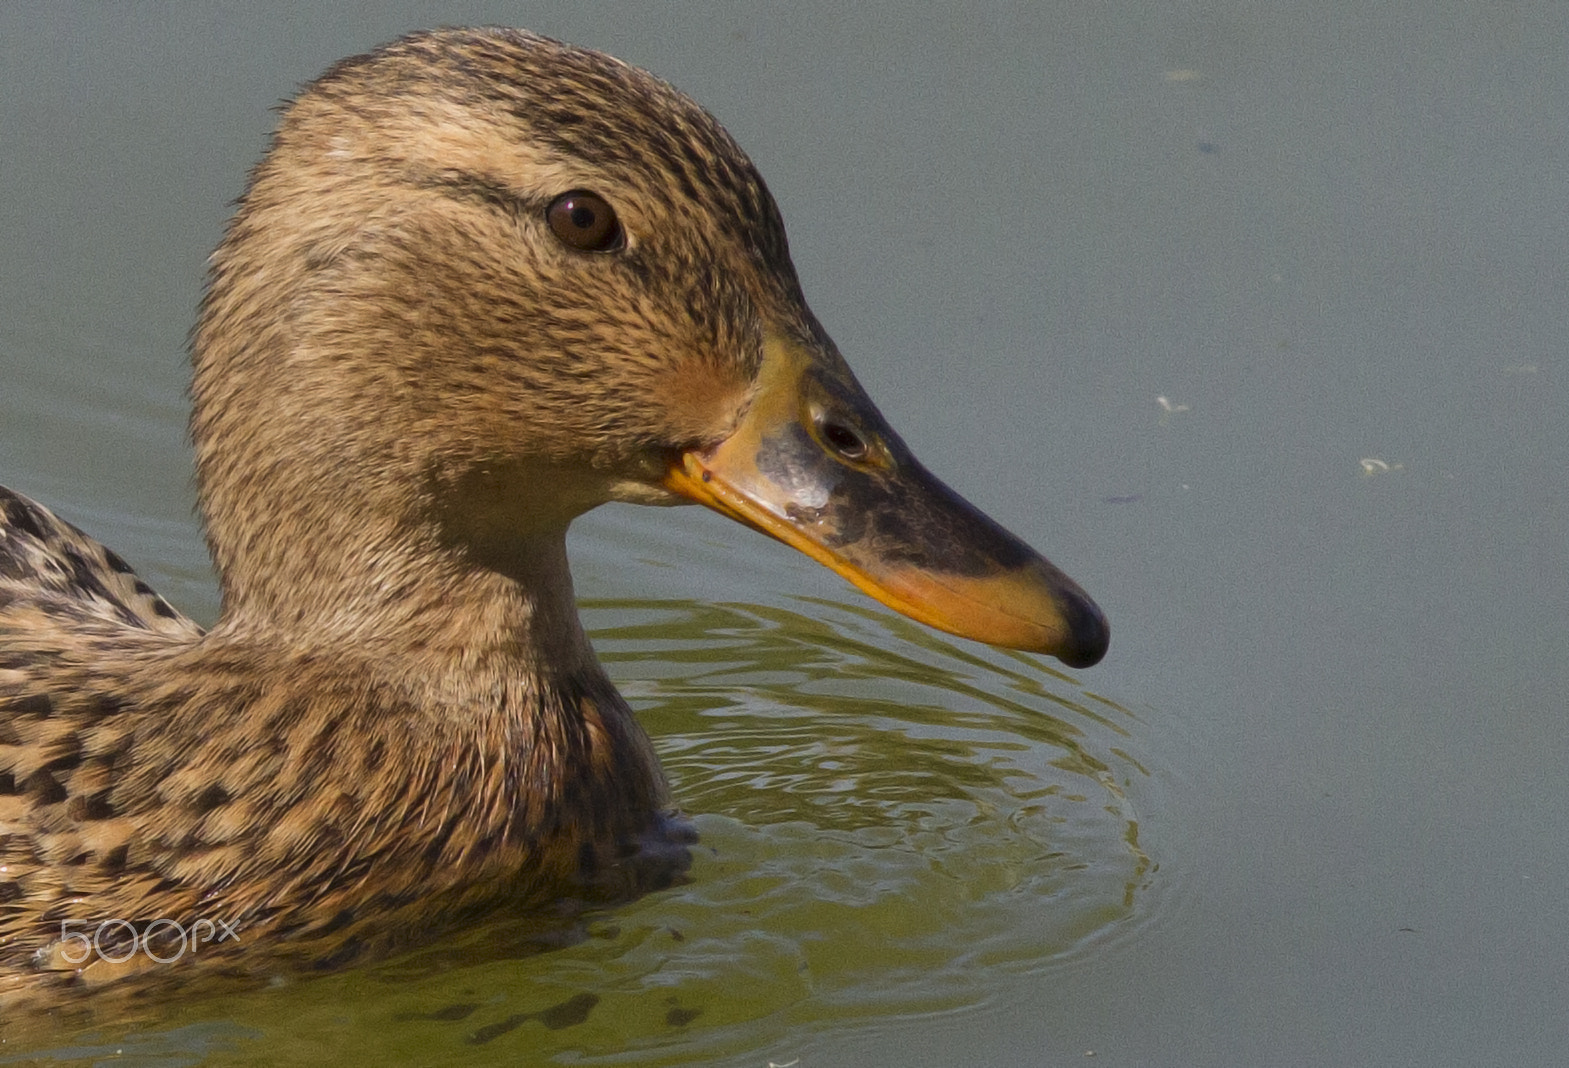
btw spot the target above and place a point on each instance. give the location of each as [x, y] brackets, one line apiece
[483, 282]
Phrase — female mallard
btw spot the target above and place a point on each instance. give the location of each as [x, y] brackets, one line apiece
[481, 283]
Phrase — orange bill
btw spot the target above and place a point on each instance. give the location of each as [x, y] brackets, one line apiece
[814, 464]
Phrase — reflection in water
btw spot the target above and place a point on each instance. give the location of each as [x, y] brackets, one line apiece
[890, 824]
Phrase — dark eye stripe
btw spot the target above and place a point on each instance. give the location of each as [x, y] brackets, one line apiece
[581, 220]
[473, 187]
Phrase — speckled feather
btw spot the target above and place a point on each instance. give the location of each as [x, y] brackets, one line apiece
[46, 561]
[404, 390]
[146, 774]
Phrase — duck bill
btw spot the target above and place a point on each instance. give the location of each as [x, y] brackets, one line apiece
[813, 464]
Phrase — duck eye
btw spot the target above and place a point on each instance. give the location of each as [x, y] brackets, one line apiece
[846, 442]
[586, 222]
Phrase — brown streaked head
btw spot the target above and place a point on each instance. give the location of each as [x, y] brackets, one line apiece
[484, 282]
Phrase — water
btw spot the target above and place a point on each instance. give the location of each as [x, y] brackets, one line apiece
[1309, 809]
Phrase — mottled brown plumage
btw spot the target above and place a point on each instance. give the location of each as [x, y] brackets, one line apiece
[406, 386]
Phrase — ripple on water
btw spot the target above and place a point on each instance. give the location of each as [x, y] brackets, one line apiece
[908, 814]
[890, 825]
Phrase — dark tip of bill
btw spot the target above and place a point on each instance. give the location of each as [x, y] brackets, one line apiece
[1090, 634]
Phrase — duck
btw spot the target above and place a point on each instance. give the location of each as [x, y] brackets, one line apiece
[480, 283]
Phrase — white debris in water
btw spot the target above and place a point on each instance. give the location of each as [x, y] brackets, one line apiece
[1372, 465]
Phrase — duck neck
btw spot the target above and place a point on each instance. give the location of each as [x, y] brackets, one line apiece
[497, 756]
[456, 625]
